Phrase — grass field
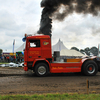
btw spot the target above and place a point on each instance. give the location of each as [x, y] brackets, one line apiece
[52, 97]
[3, 63]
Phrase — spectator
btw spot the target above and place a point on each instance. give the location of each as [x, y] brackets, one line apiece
[14, 58]
[7, 59]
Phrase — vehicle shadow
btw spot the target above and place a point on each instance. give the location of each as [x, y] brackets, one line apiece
[55, 75]
[79, 74]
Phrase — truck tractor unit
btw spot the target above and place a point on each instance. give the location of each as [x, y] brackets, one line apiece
[38, 57]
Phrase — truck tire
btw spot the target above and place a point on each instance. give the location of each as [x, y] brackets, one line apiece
[41, 69]
[90, 68]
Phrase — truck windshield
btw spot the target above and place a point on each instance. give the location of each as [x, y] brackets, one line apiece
[34, 43]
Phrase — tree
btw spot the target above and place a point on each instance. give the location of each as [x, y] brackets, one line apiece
[82, 51]
[74, 48]
[87, 51]
[0, 52]
[94, 51]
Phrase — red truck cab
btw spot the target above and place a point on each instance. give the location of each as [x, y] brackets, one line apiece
[38, 48]
[38, 57]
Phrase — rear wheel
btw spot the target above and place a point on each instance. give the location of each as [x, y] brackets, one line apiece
[41, 69]
[90, 68]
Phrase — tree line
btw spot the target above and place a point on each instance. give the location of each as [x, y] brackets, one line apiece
[88, 51]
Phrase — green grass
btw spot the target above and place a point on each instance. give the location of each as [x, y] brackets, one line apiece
[52, 97]
[4, 63]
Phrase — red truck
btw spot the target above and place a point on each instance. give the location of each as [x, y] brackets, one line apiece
[38, 57]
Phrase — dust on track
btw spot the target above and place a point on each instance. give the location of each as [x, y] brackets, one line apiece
[17, 81]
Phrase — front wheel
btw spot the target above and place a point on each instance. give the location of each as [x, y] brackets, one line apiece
[41, 69]
[90, 68]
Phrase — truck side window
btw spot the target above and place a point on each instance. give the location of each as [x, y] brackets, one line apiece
[34, 43]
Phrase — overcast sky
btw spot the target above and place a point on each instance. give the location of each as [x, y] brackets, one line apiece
[18, 17]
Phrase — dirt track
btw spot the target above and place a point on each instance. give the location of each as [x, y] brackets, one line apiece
[17, 81]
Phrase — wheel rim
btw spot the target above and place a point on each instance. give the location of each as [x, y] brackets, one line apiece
[41, 70]
[91, 68]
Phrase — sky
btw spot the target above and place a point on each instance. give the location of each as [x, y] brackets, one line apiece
[18, 17]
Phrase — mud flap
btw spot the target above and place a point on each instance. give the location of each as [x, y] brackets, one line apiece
[25, 68]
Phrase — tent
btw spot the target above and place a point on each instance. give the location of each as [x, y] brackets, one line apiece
[21, 48]
[58, 46]
[66, 52]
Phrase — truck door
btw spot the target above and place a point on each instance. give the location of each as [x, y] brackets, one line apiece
[34, 50]
[46, 48]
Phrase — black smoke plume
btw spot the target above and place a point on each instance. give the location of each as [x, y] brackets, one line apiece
[51, 9]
